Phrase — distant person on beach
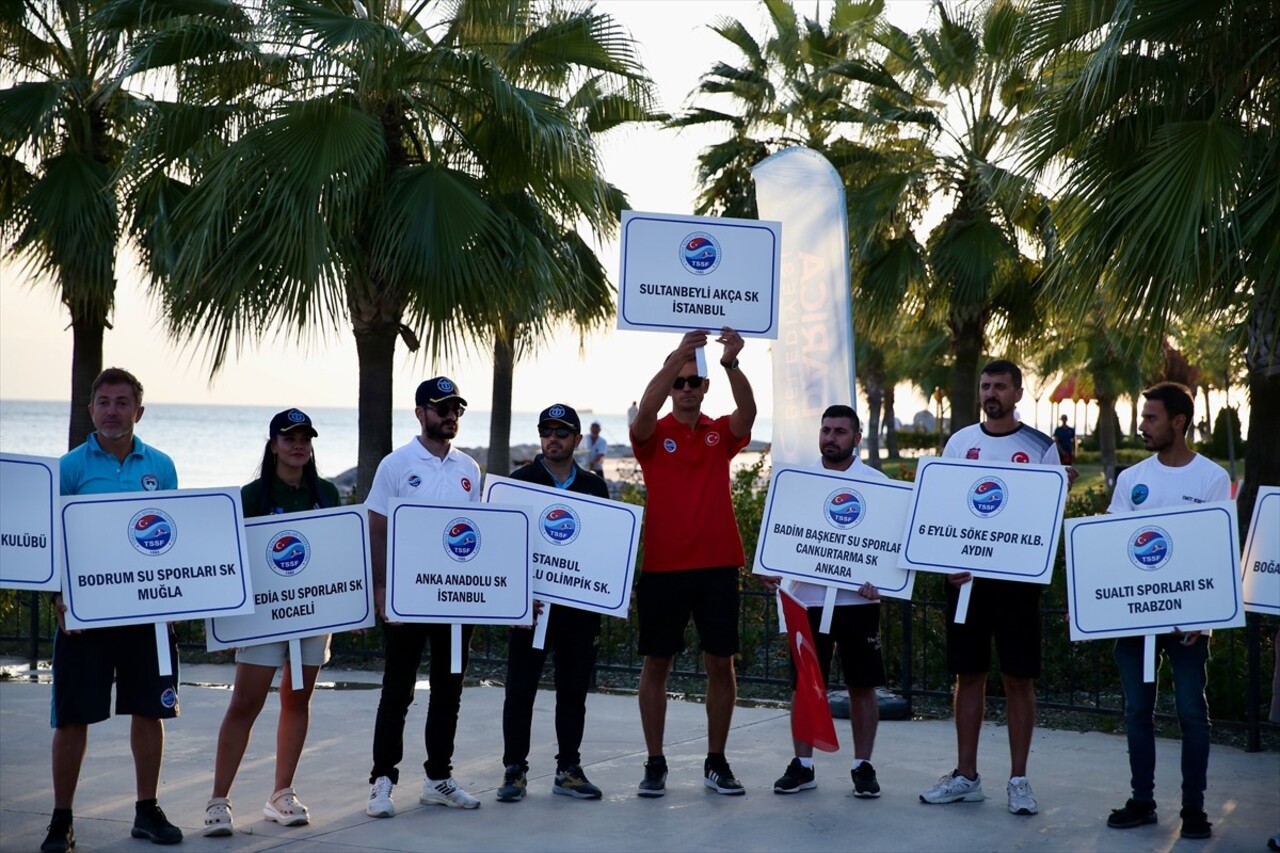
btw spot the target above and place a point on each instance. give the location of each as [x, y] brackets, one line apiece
[85, 663]
[597, 447]
[1006, 611]
[428, 468]
[287, 482]
[632, 412]
[692, 547]
[1065, 437]
[1174, 476]
[573, 634]
[855, 628]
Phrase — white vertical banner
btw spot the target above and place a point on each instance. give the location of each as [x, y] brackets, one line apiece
[813, 362]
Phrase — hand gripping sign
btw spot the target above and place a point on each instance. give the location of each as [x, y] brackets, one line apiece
[1261, 563]
[134, 558]
[29, 523]
[582, 549]
[311, 575]
[1147, 573]
[458, 563]
[992, 519]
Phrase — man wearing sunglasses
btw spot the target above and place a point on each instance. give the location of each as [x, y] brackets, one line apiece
[428, 468]
[692, 547]
[573, 634]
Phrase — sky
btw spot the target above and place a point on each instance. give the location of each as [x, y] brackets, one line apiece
[655, 168]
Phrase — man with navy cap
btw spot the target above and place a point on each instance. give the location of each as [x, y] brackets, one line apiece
[428, 468]
[574, 635]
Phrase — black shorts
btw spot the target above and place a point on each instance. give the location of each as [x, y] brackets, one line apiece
[855, 628]
[1007, 611]
[86, 664]
[667, 599]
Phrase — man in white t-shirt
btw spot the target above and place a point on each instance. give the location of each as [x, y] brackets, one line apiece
[597, 447]
[1007, 612]
[855, 628]
[1176, 475]
[429, 469]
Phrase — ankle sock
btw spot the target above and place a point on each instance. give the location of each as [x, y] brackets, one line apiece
[806, 763]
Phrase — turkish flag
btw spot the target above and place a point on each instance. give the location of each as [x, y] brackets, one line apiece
[811, 721]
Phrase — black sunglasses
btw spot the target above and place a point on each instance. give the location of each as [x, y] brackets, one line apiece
[694, 382]
[558, 432]
[445, 409]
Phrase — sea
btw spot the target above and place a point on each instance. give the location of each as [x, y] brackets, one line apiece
[218, 446]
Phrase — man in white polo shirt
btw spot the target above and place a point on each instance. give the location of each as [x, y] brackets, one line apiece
[428, 468]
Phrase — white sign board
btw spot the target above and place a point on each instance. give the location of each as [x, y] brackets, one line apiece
[834, 530]
[29, 523]
[1137, 573]
[1261, 562]
[582, 549]
[992, 519]
[133, 557]
[458, 563]
[699, 272]
[311, 575]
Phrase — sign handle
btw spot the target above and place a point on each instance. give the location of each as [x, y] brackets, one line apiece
[295, 663]
[700, 357]
[777, 604]
[540, 627]
[162, 648]
[455, 648]
[962, 604]
[1149, 658]
[828, 610]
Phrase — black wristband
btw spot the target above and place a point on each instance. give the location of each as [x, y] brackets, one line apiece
[730, 365]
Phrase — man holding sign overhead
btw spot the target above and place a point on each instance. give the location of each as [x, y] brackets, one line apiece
[1006, 611]
[1176, 475]
[692, 547]
[574, 634]
[85, 663]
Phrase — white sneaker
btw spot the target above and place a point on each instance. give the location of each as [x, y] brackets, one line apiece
[954, 788]
[380, 802]
[445, 792]
[1021, 800]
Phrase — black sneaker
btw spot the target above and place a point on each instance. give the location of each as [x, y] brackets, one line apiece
[654, 783]
[719, 777]
[1195, 823]
[865, 785]
[796, 778]
[61, 838]
[514, 783]
[1134, 813]
[151, 823]
[572, 782]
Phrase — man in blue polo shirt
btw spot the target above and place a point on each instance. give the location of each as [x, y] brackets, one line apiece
[86, 663]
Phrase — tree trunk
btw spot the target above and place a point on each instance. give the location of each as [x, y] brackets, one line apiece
[504, 367]
[890, 424]
[967, 338]
[1107, 435]
[376, 348]
[873, 388]
[1262, 450]
[86, 364]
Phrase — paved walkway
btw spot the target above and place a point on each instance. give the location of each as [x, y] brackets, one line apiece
[1077, 778]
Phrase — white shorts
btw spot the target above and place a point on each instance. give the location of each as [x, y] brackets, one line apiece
[315, 652]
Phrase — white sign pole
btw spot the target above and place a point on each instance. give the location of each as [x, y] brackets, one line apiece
[162, 648]
[540, 621]
[962, 603]
[828, 610]
[1149, 658]
[455, 648]
[295, 663]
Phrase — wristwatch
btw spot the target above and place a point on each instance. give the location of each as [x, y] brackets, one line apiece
[730, 365]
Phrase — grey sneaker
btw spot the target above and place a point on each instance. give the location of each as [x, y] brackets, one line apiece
[954, 788]
[445, 792]
[514, 783]
[1021, 800]
[572, 782]
[381, 803]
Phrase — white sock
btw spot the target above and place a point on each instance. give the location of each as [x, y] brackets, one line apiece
[806, 763]
[1014, 780]
[858, 762]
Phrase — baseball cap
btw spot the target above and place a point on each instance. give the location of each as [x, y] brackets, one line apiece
[289, 420]
[437, 390]
[560, 413]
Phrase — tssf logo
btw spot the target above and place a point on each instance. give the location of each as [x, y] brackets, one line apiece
[700, 253]
[1149, 548]
[461, 539]
[288, 553]
[845, 508]
[152, 531]
[987, 497]
[559, 524]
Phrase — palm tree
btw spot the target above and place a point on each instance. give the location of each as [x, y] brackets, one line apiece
[1164, 119]
[402, 176]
